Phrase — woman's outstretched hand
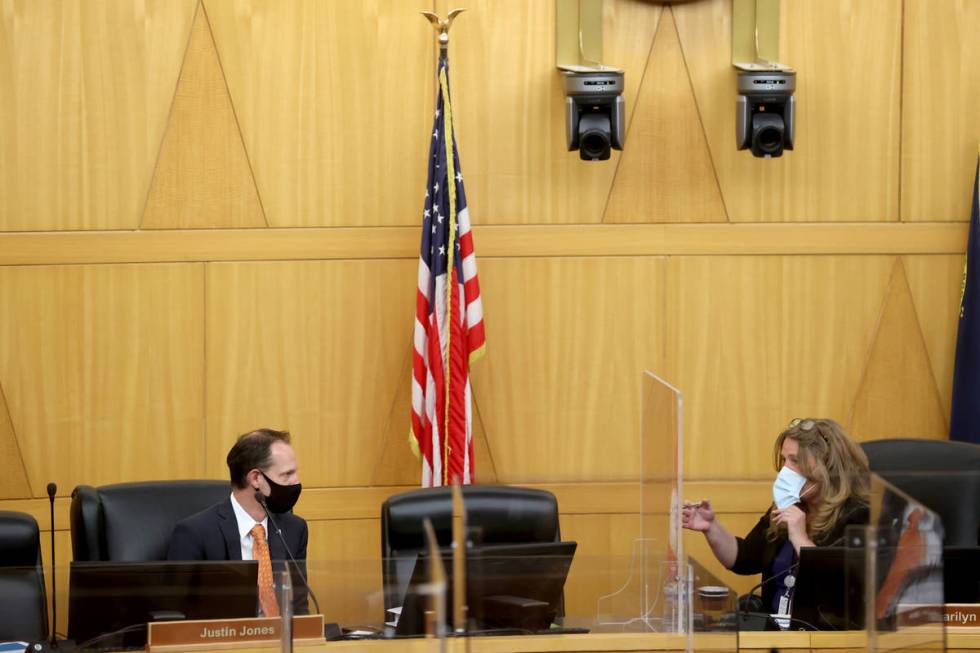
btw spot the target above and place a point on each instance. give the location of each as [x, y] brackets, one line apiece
[697, 516]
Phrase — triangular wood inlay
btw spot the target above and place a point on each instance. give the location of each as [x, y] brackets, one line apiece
[672, 180]
[897, 396]
[13, 482]
[398, 465]
[203, 178]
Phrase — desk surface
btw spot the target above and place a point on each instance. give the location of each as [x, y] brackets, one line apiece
[957, 640]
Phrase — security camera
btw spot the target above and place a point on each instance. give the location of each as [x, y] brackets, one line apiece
[764, 111]
[594, 112]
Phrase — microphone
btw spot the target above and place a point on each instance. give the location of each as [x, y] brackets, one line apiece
[261, 499]
[52, 643]
[52, 491]
[742, 615]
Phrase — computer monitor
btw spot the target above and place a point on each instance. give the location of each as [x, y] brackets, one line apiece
[961, 574]
[829, 589]
[508, 586]
[107, 597]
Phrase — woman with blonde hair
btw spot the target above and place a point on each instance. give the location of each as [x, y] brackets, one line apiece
[822, 486]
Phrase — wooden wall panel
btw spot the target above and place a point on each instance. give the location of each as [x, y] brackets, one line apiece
[510, 111]
[506, 241]
[314, 347]
[940, 94]
[345, 569]
[559, 387]
[202, 177]
[102, 369]
[123, 372]
[334, 100]
[847, 56]
[936, 284]
[602, 562]
[756, 341]
[87, 87]
[898, 396]
[672, 180]
[13, 484]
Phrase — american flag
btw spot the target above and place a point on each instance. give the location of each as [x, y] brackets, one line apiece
[449, 315]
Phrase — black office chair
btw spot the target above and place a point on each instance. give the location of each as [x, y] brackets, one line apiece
[132, 522]
[23, 602]
[495, 514]
[943, 475]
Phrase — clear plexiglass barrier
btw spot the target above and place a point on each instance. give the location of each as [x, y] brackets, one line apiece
[904, 590]
[656, 594]
[616, 567]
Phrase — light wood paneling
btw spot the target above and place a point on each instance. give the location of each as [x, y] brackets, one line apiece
[898, 396]
[312, 347]
[39, 509]
[496, 241]
[559, 387]
[629, 28]
[87, 87]
[334, 100]
[510, 111]
[102, 366]
[940, 95]
[757, 341]
[936, 284]
[344, 569]
[845, 165]
[397, 465]
[602, 561]
[14, 483]
[106, 383]
[202, 178]
[672, 180]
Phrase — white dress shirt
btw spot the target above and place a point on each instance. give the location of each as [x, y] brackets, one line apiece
[245, 525]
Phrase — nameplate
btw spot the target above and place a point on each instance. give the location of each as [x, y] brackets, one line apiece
[230, 633]
[960, 615]
[954, 615]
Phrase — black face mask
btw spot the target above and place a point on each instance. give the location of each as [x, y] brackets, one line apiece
[281, 498]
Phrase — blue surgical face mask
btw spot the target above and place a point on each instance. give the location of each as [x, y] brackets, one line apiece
[786, 490]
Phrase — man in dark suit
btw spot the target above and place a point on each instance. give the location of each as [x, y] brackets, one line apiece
[263, 469]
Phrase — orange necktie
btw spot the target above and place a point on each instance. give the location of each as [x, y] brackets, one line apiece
[267, 593]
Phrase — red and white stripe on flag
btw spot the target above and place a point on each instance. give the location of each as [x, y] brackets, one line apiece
[449, 332]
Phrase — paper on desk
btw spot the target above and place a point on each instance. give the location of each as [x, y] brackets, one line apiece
[13, 647]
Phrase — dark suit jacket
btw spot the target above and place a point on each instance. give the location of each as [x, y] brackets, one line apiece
[212, 534]
[756, 553]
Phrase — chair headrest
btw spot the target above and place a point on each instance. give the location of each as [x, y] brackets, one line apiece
[20, 540]
[944, 476]
[494, 514]
[134, 521]
[915, 455]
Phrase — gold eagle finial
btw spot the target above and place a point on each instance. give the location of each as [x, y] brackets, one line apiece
[442, 25]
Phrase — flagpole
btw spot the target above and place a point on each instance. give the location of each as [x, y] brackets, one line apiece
[442, 27]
